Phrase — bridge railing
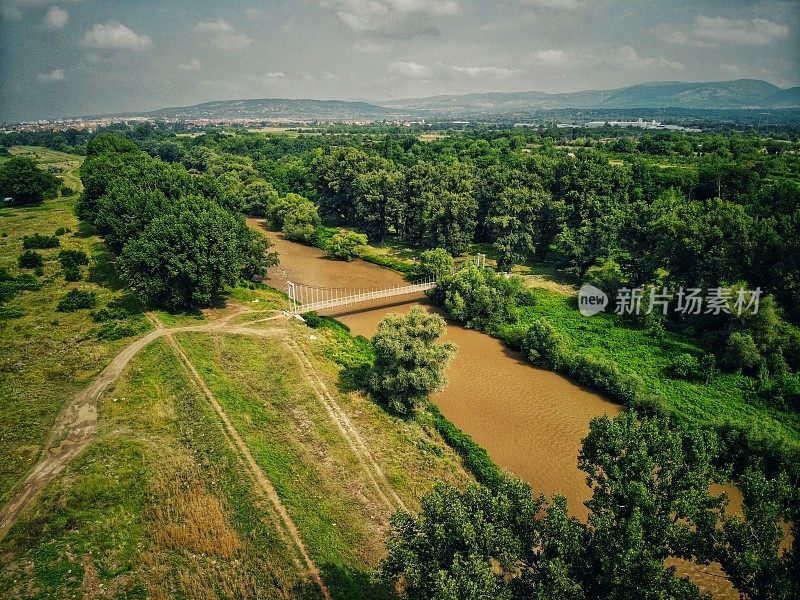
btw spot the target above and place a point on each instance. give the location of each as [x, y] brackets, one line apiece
[307, 298]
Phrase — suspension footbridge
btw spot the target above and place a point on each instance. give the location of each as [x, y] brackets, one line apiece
[305, 298]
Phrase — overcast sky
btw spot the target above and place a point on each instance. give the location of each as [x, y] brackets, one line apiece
[82, 57]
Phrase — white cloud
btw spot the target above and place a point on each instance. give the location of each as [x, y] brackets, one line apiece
[375, 15]
[628, 57]
[225, 36]
[558, 4]
[14, 9]
[411, 70]
[253, 13]
[551, 58]
[113, 35]
[54, 75]
[753, 32]
[482, 72]
[231, 41]
[56, 17]
[366, 47]
[219, 26]
[192, 65]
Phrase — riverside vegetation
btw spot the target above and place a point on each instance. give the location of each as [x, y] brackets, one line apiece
[717, 395]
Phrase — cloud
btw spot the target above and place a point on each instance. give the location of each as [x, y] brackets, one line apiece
[113, 35]
[225, 35]
[14, 9]
[56, 17]
[411, 70]
[383, 15]
[231, 41]
[753, 32]
[628, 57]
[54, 75]
[253, 13]
[551, 58]
[558, 4]
[481, 72]
[219, 26]
[192, 65]
[366, 47]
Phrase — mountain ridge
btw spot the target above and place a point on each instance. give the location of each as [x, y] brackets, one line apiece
[715, 95]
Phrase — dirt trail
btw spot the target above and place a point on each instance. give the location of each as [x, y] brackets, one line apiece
[256, 472]
[349, 432]
[75, 425]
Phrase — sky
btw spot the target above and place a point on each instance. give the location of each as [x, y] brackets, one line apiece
[87, 57]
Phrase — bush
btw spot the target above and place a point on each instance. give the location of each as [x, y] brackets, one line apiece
[66, 192]
[545, 347]
[72, 273]
[73, 257]
[605, 377]
[479, 298]
[62, 231]
[30, 260]
[346, 245]
[435, 263]
[513, 335]
[688, 367]
[76, 300]
[40, 242]
[741, 353]
[312, 319]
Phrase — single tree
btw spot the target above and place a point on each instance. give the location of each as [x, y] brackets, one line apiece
[346, 245]
[23, 181]
[409, 364]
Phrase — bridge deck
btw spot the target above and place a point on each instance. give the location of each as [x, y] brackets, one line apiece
[335, 301]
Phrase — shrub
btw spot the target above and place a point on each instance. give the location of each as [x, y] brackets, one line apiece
[684, 366]
[312, 319]
[513, 335]
[72, 272]
[77, 299]
[435, 263]
[606, 377]
[30, 260]
[346, 245]
[73, 257]
[545, 347]
[479, 298]
[62, 231]
[741, 353]
[40, 242]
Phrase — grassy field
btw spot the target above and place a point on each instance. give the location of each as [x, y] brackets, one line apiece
[729, 398]
[48, 355]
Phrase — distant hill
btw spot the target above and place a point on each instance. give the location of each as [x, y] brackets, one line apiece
[785, 98]
[739, 94]
[276, 108]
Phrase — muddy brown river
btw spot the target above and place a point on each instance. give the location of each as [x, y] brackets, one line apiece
[531, 421]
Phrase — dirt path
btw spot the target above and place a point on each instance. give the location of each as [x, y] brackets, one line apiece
[349, 432]
[75, 425]
[256, 472]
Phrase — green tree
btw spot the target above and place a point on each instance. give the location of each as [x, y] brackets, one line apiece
[436, 263]
[346, 245]
[409, 364]
[544, 346]
[23, 181]
[512, 223]
[479, 298]
[186, 256]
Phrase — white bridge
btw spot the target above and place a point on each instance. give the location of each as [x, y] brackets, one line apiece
[305, 298]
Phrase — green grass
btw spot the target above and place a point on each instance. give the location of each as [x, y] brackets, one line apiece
[157, 504]
[291, 437]
[729, 399]
[47, 356]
